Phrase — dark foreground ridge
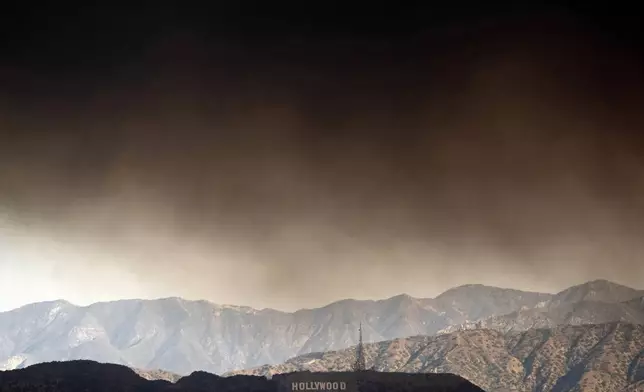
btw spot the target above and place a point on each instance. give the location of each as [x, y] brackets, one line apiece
[92, 376]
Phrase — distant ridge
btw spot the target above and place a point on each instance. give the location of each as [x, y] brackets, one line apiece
[180, 336]
[595, 302]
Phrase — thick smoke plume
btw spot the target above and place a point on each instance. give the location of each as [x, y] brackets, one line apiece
[272, 177]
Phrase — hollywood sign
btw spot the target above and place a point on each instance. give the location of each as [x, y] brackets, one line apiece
[318, 386]
[318, 382]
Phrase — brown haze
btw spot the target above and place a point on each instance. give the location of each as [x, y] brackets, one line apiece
[274, 176]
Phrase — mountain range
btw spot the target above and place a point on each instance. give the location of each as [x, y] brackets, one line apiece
[182, 336]
[593, 357]
[593, 303]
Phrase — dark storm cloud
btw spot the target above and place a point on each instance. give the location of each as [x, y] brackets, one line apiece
[424, 165]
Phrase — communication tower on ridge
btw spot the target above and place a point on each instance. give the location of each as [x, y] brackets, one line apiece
[360, 364]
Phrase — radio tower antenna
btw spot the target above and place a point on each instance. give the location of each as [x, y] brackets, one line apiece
[360, 364]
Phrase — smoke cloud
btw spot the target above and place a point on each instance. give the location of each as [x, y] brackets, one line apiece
[275, 176]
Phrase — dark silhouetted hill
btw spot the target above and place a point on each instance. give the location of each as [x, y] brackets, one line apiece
[83, 376]
[76, 376]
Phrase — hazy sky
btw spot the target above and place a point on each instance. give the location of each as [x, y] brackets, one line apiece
[297, 170]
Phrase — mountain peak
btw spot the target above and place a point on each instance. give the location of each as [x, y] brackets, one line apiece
[53, 304]
[402, 297]
[597, 290]
[471, 289]
[602, 283]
